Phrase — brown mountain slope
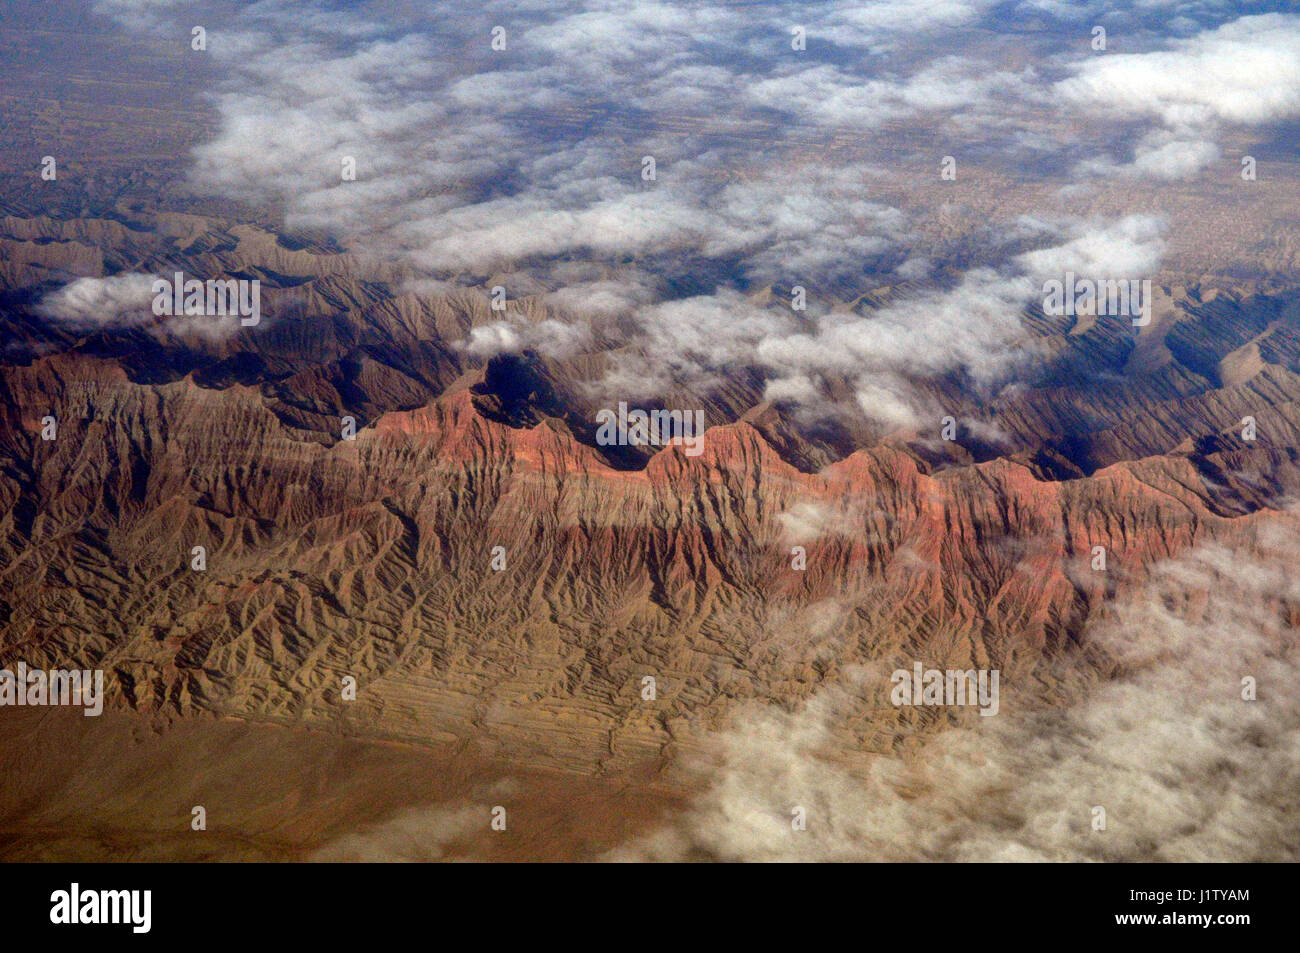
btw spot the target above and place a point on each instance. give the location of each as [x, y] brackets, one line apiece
[373, 557]
[501, 588]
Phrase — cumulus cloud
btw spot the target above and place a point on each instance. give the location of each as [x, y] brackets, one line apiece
[549, 338]
[1246, 72]
[974, 327]
[1130, 247]
[1158, 735]
[101, 302]
[881, 23]
[1159, 155]
[584, 293]
[538, 148]
[1086, 9]
[829, 95]
[772, 166]
[126, 301]
[420, 835]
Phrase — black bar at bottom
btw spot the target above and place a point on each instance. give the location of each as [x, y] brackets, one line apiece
[327, 904]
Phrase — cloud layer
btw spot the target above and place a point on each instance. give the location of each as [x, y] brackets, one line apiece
[656, 164]
[1184, 768]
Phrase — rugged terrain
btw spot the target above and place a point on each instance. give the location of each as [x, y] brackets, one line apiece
[639, 651]
[372, 557]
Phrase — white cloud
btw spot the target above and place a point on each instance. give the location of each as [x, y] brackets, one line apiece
[888, 20]
[973, 327]
[126, 300]
[419, 835]
[101, 302]
[1159, 155]
[1130, 247]
[471, 163]
[1185, 769]
[552, 339]
[1246, 71]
